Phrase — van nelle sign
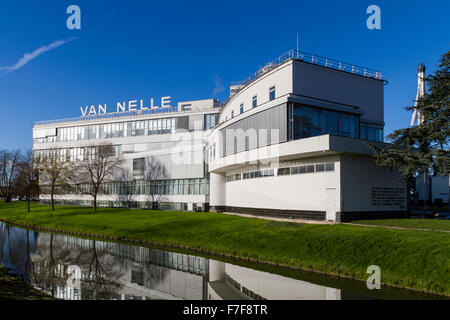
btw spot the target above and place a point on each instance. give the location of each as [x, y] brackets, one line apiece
[125, 106]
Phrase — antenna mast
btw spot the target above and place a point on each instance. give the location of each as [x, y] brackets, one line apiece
[417, 116]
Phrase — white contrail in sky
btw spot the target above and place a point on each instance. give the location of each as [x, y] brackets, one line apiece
[27, 57]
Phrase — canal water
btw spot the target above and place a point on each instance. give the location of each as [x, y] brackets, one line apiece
[74, 268]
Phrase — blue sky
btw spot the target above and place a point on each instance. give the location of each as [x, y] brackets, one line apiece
[187, 49]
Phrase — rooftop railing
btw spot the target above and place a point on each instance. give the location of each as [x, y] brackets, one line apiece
[313, 59]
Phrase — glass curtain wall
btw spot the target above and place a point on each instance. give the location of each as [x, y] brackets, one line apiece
[113, 130]
[306, 121]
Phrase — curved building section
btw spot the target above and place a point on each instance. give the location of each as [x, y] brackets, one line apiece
[292, 141]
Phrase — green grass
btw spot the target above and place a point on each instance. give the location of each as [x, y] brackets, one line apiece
[408, 258]
[432, 224]
[12, 288]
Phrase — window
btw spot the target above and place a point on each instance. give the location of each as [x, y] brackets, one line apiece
[320, 167]
[232, 114]
[272, 93]
[254, 101]
[258, 174]
[267, 173]
[233, 177]
[185, 107]
[241, 108]
[306, 121]
[371, 133]
[210, 121]
[284, 171]
[138, 164]
[309, 122]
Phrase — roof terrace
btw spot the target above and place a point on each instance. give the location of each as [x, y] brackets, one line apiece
[309, 58]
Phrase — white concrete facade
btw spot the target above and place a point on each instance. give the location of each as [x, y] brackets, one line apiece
[174, 140]
[351, 186]
[290, 141]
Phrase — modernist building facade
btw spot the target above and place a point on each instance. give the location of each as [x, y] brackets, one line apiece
[292, 140]
[170, 141]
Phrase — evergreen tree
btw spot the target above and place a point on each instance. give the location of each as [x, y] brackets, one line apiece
[425, 147]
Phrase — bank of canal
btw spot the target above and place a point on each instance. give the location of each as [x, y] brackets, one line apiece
[411, 259]
[73, 268]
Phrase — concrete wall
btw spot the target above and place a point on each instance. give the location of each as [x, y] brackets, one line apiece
[291, 192]
[281, 78]
[218, 191]
[359, 177]
[341, 87]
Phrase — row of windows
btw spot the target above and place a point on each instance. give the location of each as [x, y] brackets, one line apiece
[233, 177]
[309, 168]
[309, 122]
[137, 187]
[305, 121]
[255, 101]
[258, 174]
[180, 206]
[72, 154]
[291, 122]
[112, 130]
[121, 129]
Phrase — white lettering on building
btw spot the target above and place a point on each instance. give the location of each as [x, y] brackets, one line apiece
[126, 106]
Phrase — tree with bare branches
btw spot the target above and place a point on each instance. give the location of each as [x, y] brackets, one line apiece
[9, 161]
[28, 175]
[97, 167]
[154, 171]
[125, 178]
[53, 172]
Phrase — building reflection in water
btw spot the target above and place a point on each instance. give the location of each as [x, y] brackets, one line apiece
[81, 269]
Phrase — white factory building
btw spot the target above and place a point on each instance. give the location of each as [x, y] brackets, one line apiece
[163, 151]
[290, 141]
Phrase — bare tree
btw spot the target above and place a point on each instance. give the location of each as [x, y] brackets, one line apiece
[9, 161]
[53, 172]
[28, 175]
[97, 166]
[154, 171]
[125, 178]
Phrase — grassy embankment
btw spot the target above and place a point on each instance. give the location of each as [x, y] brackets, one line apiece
[412, 259]
[437, 224]
[12, 288]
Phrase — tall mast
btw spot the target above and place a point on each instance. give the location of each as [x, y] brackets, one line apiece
[416, 116]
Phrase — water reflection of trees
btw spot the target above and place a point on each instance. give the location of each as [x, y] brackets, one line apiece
[101, 278]
[103, 270]
[15, 247]
[51, 264]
